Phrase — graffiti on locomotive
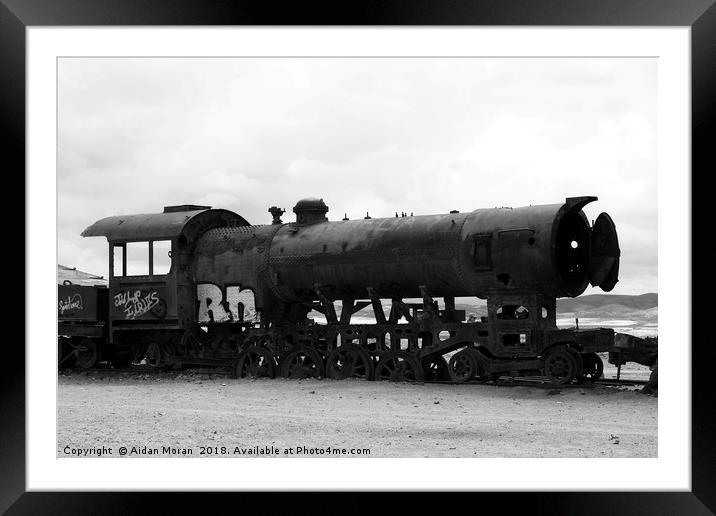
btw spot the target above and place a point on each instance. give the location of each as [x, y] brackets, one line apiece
[136, 303]
[71, 303]
[234, 304]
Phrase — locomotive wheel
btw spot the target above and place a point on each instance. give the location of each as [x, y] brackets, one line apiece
[399, 366]
[560, 366]
[593, 367]
[436, 369]
[87, 353]
[255, 362]
[463, 366]
[349, 361]
[65, 353]
[302, 362]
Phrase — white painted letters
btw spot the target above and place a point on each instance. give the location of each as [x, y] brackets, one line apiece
[71, 303]
[239, 304]
[134, 303]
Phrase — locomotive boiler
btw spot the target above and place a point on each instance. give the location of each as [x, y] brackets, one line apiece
[242, 294]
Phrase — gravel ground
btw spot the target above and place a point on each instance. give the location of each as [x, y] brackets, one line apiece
[176, 413]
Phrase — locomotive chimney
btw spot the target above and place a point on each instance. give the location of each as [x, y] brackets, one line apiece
[310, 211]
[276, 213]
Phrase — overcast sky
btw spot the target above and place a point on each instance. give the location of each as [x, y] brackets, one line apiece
[377, 135]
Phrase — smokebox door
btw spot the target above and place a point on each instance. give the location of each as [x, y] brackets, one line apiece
[604, 256]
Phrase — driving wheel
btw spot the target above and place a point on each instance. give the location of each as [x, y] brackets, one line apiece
[560, 366]
[349, 361]
[302, 362]
[255, 362]
[399, 366]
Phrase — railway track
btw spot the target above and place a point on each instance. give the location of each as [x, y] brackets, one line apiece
[504, 381]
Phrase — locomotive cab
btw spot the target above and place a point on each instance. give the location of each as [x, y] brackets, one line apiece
[151, 285]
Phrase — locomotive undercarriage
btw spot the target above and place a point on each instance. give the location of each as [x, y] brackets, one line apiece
[176, 348]
[416, 342]
[400, 352]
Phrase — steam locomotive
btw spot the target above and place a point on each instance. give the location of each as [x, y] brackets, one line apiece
[200, 286]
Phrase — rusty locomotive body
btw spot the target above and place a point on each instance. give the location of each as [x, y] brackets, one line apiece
[195, 285]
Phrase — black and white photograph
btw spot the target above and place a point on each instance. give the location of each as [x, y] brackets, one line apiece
[325, 253]
[357, 257]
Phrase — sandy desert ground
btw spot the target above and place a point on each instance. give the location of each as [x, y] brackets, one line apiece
[172, 413]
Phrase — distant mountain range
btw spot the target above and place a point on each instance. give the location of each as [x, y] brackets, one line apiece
[595, 301]
[644, 306]
[635, 315]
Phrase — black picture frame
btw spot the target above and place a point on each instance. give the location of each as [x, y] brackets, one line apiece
[699, 15]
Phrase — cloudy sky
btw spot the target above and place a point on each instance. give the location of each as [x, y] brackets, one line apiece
[377, 135]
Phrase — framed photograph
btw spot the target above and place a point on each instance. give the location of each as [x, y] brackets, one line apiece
[515, 132]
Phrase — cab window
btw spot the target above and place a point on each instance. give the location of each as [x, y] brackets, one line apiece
[137, 258]
[161, 256]
[142, 258]
[118, 260]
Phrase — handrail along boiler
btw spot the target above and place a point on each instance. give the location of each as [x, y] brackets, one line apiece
[240, 294]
